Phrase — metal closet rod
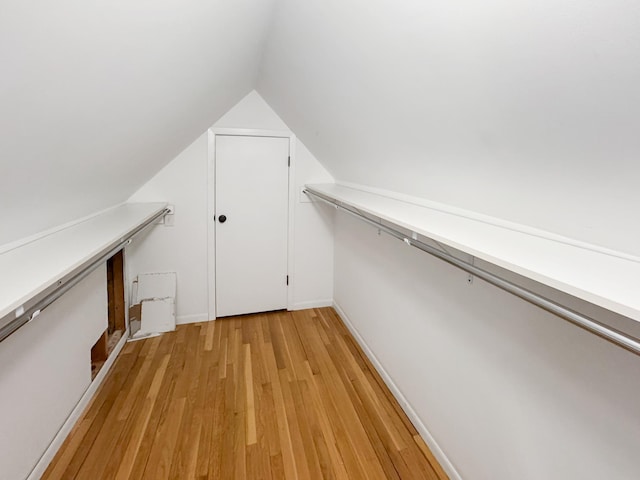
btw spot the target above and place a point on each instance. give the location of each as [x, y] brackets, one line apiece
[66, 284]
[610, 334]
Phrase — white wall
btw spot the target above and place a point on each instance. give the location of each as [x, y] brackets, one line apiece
[97, 97]
[183, 247]
[526, 111]
[523, 110]
[45, 367]
[507, 390]
[313, 255]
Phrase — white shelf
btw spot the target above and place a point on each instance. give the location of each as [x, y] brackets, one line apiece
[29, 270]
[605, 279]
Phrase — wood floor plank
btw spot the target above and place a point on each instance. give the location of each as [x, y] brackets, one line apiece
[142, 421]
[159, 464]
[158, 413]
[101, 431]
[357, 351]
[214, 465]
[279, 395]
[60, 467]
[297, 445]
[284, 432]
[210, 402]
[128, 417]
[251, 434]
[227, 435]
[437, 468]
[305, 422]
[95, 415]
[183, 464]
[327, 432]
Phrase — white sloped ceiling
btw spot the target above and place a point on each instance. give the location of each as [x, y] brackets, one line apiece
[95, 97]
[528, 110]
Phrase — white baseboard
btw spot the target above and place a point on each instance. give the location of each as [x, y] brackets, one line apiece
[311, 304]
[77, 412]
[445, 463]
[193, 318]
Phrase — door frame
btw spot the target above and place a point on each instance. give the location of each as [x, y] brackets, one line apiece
[211, 207]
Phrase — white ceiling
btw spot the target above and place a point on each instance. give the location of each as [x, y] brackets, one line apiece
[527, 110]
[95, 97]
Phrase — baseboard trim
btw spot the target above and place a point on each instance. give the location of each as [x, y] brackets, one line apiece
[77, 412]
[311, 304]
[445, 463]
[193, 318]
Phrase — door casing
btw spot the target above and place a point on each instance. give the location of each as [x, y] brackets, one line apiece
[211, 207]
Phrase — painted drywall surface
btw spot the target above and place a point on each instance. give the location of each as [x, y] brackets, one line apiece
[524, 110]
[506, 389]
[97, 97]
[45, 367]
[252, 112]
[182, 248]
[313, 255]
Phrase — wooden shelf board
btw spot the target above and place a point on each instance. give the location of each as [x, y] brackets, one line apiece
[606, 279]
[29, 270]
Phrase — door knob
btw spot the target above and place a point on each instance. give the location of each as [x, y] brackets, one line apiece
[222, 218]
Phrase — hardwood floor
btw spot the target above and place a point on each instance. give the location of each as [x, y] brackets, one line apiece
[279, 395]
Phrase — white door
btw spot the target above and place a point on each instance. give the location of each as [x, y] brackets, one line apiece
[251, 178]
